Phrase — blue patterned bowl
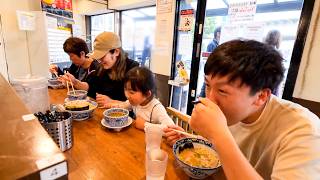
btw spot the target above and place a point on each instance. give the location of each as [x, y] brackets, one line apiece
[77, 95]
[194, 172]
[54, 81]
[85, 114]
[116, 117]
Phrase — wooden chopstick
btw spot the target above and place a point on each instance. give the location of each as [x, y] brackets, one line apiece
[185, 133]
[67, 87]
[72, 87]
[56, 74]
[70, 83]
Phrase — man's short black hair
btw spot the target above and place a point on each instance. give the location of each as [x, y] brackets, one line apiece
[75, 45]
[254, 63]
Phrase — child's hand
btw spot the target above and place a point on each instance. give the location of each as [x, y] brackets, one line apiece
[115, 104]
[102, 100]
[172, 136]
[139, 123]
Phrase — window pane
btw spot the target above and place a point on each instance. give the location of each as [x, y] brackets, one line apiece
[282, 17]
[100, 23]
[138, 27]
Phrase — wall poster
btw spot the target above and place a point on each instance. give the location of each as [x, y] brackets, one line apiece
[58, 7]
[186, 20]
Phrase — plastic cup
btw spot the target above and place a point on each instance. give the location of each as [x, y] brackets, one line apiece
[156, 164]
[153, 137]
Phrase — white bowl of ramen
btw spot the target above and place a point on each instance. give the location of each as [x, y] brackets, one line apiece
[199, 161]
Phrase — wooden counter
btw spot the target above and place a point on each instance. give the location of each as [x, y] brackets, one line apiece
[99, 153]
[27, 151]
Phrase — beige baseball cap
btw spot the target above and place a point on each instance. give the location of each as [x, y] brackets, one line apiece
[103, 43]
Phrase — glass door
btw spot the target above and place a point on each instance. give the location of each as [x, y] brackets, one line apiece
[187, 33]
[271, 22]
[274, 22]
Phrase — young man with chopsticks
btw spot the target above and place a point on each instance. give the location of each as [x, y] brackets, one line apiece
[256, 134]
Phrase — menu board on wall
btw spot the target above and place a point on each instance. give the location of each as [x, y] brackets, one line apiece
[58, 7]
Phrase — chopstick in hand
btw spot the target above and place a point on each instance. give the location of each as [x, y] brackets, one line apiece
[70, 83]
[56, 74]
[72, 87]
[185, 133]
[195, 102]
[67, 86]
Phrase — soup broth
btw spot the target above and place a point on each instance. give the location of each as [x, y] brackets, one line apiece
[116, 114]
[200, 157]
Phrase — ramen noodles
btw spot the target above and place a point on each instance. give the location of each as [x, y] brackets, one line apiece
[199, 157]
[77, 105]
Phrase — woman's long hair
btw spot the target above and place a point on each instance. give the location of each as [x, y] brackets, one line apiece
[118, 70]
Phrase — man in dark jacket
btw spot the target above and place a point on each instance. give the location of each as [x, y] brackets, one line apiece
[211, 46]
[215, 41]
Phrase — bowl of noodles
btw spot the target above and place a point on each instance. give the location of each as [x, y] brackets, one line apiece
[77, 95]
[198, 161]
[116, 117]
[80, 109]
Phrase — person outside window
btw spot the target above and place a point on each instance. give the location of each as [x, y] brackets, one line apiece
[146, 53]
[211, 46]
[215, 41]
[273, 39]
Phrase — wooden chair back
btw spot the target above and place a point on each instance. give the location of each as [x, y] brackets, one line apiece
[180, 119]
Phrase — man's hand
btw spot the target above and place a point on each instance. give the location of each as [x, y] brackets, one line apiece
[208, 120]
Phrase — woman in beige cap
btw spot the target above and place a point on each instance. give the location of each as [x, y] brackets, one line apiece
[106, 84]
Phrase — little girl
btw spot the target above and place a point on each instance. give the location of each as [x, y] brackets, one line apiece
[140, 91]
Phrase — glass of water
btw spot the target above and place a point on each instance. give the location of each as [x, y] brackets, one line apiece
[156, 164]
[153, 136]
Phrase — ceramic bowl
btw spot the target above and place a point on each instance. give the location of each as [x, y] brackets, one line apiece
[77, 95]
[84, 114]
[192, 171]
[55, 83]
[116, 117]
